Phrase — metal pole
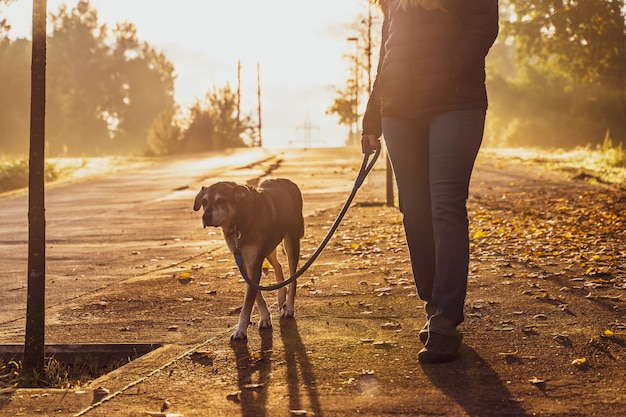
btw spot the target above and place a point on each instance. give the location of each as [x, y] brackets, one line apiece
[258, 93]
[354, 129]
[35, 304]
[238, 91]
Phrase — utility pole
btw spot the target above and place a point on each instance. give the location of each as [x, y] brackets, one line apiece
[369, 48]
[354, 130]
[34, 343]
[388, 168]
[238, 90]
[258, 93]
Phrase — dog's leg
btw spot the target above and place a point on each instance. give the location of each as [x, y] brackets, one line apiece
[265, 318]
[241, 331]
[278, 272]
[253, 270]
[292, 248]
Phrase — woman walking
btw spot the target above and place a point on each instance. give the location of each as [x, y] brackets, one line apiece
[429, 101]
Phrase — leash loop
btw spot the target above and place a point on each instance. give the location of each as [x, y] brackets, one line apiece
[363, 171]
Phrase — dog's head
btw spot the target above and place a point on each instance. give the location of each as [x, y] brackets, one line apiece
[221, 203]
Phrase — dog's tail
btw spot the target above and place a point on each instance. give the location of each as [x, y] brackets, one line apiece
[300, 220]
[296, 195]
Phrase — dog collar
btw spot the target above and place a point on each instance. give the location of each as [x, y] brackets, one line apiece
[237, 237]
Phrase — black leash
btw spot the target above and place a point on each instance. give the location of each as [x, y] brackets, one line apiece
[365, 169]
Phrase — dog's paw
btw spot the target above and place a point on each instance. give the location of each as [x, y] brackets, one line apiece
[265, 323]
[287, 314]
[239, 334]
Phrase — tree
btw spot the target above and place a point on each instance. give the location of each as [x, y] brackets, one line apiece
[15, 98]
[343, 106]
[350, 98]
[77, 63]
[584, 40]
[579, 47]
[215, 124]
[106, 86]
[143, 84]
[164, 134]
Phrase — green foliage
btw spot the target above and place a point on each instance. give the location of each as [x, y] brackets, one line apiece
[215, 123]
[582, 40]
[14, 173]
[164, 135]
[104, 87]
[343, 107]
[15, 59]
[553, 81]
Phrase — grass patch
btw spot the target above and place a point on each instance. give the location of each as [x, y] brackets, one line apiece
[605, 163]
[14, 173]
[14, 170]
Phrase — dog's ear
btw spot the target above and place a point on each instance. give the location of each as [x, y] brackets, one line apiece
[241, 192]
[198, 202]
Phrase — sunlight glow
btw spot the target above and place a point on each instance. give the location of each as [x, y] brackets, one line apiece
[300, 51]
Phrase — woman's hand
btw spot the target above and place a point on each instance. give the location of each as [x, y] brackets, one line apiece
[369, 143]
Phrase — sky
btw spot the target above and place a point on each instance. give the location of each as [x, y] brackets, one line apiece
[300, 47]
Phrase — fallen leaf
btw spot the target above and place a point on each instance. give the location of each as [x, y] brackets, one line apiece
[383, 344]
[166, 404]
[608, 333]
[233, 396]
[253, 386]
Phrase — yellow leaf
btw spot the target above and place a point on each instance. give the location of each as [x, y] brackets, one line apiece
[608, 333]
[579, 362]
[478, 234]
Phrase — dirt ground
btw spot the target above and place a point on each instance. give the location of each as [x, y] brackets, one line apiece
[545, 330]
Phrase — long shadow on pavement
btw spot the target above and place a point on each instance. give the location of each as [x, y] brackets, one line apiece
[253, 397]
[474, 385]
[296, 359]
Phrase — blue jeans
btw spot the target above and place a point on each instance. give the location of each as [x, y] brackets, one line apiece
[433, 159]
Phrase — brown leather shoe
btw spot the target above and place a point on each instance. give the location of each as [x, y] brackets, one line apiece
[423, 333]
[440, 348]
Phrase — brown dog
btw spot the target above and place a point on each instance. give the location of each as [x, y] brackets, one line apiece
[257, 220]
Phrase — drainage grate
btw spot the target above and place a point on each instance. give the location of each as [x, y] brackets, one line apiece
[83, 360]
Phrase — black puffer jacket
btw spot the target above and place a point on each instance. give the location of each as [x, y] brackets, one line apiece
[431, 61]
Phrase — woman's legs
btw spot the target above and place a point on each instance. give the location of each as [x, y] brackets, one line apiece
[433, 161]
[455, 139]
[407, 144]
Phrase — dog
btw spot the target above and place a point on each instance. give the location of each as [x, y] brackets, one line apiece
[256, 220]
